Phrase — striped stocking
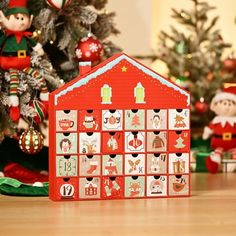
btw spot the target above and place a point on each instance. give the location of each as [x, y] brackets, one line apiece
[34, 73]
[14, 82]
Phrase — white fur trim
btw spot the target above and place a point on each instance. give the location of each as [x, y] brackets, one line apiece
[207, 133]
[44, 96]
[14, 101]
[37, 47]
[215, 157]
[37, 184]
[222, 96]
[224, 119]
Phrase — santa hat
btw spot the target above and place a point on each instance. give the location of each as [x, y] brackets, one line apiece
[227, 94]
[17, 6]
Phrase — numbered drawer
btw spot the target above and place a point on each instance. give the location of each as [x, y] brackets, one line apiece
[157, 141]
[134, 141]
[112, 142]
[134, 164]
[112, 164]
[179, 185]
[112, 120]
[66, 120]
[134, 186]
[90, 165]
[157, 119]
[179, 141]
[89, 188]
[66, 166]
[66, 143]
[179, 119]
[67, 188]
[134, 119]
[178, 163]
[90, 143]
[89, 120]
[112, 187]
[156, 186]
[157, 163]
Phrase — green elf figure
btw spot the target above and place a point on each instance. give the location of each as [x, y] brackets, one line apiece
[16, 44]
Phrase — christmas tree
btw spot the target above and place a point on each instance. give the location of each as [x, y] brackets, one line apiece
[194, 58]
[67, 31]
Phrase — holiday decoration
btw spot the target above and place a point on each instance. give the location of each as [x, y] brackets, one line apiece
[16, 171]
[16, 44]
[13, 187]
[40, 111]
[230, 64]
[194, 57]
[222, 128]
[201, 106]
[134, 143]
[31, 141]
[89, 49]
[59, 4]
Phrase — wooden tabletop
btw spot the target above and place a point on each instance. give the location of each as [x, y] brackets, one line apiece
[211, 210]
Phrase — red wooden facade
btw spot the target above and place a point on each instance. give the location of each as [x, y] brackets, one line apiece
[121, 129]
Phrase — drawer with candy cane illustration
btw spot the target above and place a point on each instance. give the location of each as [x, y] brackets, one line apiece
[119, 131]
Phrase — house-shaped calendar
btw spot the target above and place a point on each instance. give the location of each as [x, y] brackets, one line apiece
[119, 130]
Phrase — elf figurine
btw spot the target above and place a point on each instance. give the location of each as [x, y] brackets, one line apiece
[16, 45]
[222, 128]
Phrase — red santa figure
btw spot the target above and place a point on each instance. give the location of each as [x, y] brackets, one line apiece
[222, 128]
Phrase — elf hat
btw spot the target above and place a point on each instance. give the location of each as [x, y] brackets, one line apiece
[17, 6]
[227, 94]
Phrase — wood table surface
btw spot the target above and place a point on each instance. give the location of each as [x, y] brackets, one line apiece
[211, 210]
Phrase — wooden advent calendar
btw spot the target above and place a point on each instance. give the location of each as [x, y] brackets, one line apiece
[119, 130]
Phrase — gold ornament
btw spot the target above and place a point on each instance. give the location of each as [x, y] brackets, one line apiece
[31, 141]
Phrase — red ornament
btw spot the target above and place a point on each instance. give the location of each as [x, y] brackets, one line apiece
[89, 49]
[40, 111]
[201, 106]
[31, 141]
[230, 64]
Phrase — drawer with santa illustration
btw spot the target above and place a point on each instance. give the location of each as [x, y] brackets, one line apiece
[110, 141]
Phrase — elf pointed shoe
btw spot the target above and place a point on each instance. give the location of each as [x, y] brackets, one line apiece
[16, 171]
[15, 113]
[212, 166]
